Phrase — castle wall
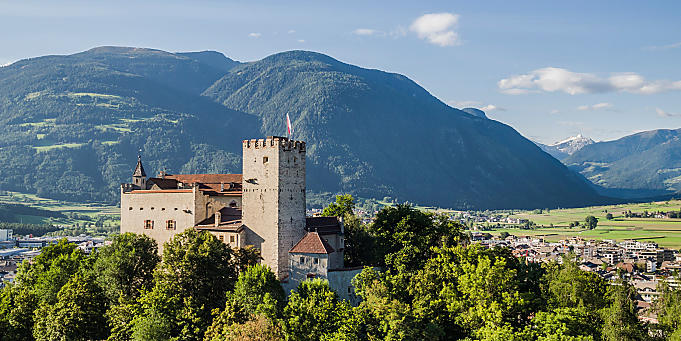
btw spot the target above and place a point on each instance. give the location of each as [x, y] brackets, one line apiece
[224, 201]
[336, 257]
[159, 207]
[274, 198]
[304, 264]
[341, 282]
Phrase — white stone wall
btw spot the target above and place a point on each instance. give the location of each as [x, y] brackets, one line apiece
[341, 282]
[274, 198]
[303, 264]
[232, 239]
[338, 244]
[138, 206]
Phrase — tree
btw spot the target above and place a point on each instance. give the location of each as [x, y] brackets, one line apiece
[196, 272]
[37, 283]
[668, 309]
[246, 257]
[126, 266]
[344, 205]
[313, 312]
[564, 324]
[504, 235]
[621, 322]
[404, 236]
[77, 315]
[258, 329]
[609, 216]
[566, 286]
[591, 222]
[254, 285]
[257, 293]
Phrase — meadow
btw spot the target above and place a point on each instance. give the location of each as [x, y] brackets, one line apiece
[77, 214]
[553, 225]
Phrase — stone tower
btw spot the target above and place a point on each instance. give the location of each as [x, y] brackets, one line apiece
[274, 198]
[139, 177]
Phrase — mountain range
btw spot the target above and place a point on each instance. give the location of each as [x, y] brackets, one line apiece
[644, 164]
[72, 127]
[562, 149]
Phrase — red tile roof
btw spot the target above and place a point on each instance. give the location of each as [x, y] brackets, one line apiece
[212, 182]
[312, 243]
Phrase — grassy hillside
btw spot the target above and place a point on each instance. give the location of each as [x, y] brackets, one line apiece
[71, 127]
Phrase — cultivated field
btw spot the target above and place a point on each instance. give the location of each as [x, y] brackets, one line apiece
[666, 232]
[76, 213]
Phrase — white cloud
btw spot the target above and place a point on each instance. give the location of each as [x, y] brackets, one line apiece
[597, 106]
[437, 28]
[291, 31]
[665, 47]
[663, 113]
[254, 35]
[301, 40]
[492, 107]
[554, 112]
[364, 32]
[553, 79]
[475, 104]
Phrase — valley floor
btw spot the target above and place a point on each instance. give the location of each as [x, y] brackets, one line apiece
[664, 231]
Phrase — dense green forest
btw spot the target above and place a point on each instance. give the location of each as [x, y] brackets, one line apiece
[430, 284]
[71, 128]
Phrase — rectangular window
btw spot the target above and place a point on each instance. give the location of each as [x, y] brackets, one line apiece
[316, 260]
[302, 260]
[265, 159]
[231, 239]
[222, 238]
[148, 224]
[170, 224]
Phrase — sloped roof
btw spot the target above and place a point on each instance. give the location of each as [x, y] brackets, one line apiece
[214, 182]
[228, 216]
[323, 225]
[163, 183]
[312, 243]
[139, 169]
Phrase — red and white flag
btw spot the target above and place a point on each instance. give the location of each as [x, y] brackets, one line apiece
[289, 126]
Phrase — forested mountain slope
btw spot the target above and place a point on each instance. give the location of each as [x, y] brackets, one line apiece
[648, 162]
[72, 125]
[378, 133]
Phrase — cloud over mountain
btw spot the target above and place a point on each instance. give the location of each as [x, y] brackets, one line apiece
[552, 79]
[437, 28]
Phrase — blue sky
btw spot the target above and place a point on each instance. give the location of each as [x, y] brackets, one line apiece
[549, 69]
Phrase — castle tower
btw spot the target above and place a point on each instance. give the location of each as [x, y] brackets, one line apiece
[139, 177]
[274, 198]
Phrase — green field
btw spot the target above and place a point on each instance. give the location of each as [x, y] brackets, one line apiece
[666, 232]
[77, 213]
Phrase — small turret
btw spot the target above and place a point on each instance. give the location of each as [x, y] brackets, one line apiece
[139, 177]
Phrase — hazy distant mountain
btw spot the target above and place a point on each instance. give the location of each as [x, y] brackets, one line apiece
[72, 125]
[474, 112]
[562, 149]
[641, 164]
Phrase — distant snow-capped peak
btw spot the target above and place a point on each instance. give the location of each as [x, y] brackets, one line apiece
[572, 144]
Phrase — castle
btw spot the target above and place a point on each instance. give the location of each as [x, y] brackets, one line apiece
[263, 207]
